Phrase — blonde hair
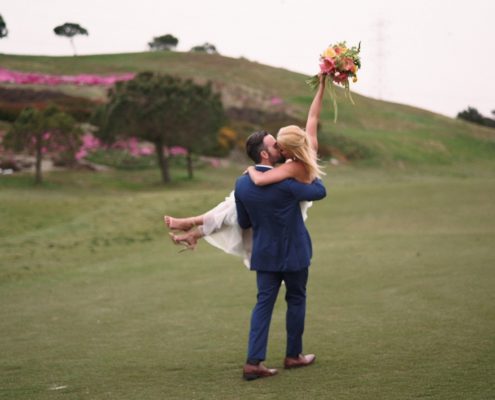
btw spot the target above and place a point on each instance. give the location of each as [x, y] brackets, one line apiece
[295, 142]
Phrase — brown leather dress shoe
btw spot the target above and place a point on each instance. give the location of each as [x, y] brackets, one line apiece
[251, 372]
[301, 361]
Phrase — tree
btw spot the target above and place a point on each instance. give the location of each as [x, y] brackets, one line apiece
[490, 121]
[43, 131]
[203, 118]
[70, 30]
[161, 109]
[166, 42]
[206, 47]
[473, 115]
[3, 28]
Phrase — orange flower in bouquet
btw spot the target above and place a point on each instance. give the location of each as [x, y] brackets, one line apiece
[340, 64]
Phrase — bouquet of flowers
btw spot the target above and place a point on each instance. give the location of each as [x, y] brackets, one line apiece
[340, 64]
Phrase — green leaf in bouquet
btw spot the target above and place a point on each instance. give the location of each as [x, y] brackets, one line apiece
[313, 82]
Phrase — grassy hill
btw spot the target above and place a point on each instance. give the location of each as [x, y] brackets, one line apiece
[387, 133]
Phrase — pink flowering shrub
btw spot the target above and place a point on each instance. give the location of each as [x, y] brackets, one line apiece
[33, 78]
[127, 153]
[177, 151]
[131, 146]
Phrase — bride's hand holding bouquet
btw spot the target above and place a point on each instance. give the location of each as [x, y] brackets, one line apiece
[339, 63]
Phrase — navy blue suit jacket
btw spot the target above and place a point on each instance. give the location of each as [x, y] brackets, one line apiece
[281, 241]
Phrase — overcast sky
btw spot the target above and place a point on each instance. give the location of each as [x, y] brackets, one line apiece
[434, 54]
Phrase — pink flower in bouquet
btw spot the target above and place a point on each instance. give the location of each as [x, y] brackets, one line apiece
[348, 64]
[340, 77]
[327, 66]
[339, 49]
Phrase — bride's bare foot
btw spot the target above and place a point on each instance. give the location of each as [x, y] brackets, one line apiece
[188, 239]
[182, 224]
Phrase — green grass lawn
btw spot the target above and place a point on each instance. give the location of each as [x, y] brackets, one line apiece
[97, 303]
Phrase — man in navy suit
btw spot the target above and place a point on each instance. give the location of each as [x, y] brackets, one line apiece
[281, 252]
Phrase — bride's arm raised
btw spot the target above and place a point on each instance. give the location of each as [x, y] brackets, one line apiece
[292, 169]
[314, 115]
[278, 174]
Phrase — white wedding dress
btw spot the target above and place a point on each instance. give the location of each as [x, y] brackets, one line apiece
[220, 229]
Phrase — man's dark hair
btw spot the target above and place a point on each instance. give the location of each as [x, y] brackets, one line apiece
[255, 145]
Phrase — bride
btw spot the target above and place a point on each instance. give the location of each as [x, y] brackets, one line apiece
[219, 226]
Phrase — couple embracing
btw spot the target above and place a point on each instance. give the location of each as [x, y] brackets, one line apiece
[263, 221]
